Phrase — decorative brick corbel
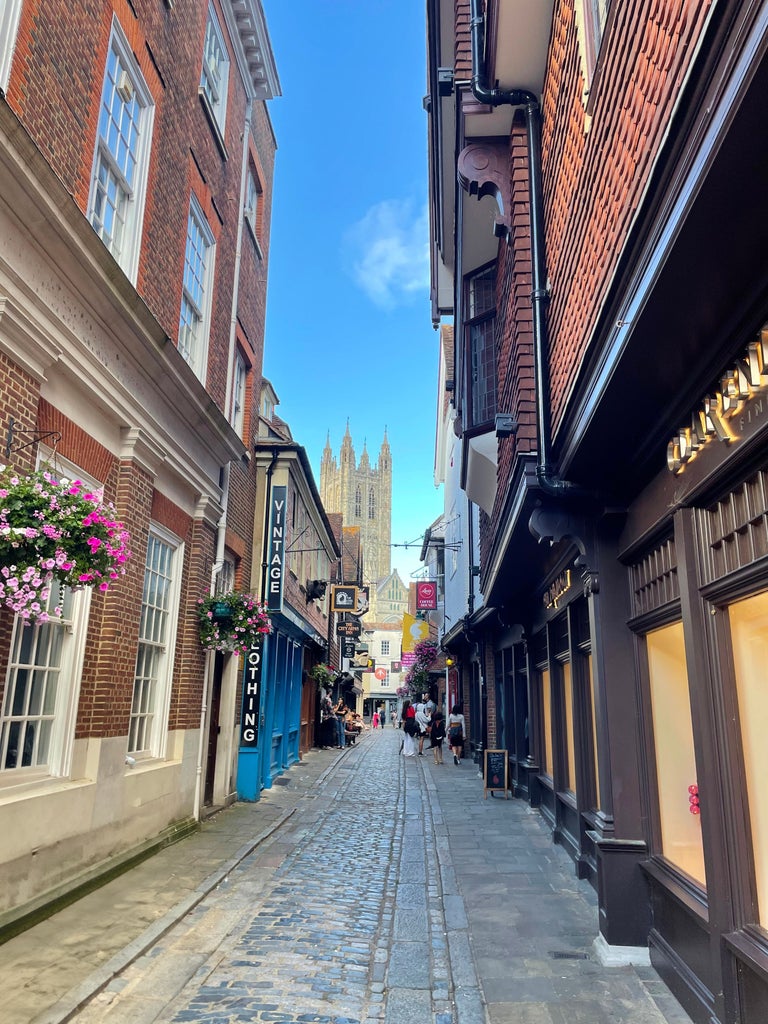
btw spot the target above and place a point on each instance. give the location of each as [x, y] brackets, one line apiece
[483, 170]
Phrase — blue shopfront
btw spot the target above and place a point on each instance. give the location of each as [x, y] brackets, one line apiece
[270, 729]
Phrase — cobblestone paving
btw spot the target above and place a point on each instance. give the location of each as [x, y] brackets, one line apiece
[316, 923]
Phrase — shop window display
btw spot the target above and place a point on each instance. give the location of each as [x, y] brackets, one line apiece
[681, 841]
[749, 633]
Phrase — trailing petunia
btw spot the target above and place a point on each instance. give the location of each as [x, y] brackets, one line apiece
[53, 528]
[232, 622]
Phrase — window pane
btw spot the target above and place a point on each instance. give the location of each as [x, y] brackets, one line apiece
[568, 711]
[30, 699]
[483, 348]
[120, 131]
[749, 631]
[153, 641]
[675, 762]
[598, 804]
[546, 701]
[196, 265]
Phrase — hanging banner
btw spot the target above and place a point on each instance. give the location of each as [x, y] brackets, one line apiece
[426, 596]
[276, 558]
[413, 630]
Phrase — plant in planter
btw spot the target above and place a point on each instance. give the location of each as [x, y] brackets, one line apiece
[233, 622]
[53, 528]
[417, 677]
[323, 674]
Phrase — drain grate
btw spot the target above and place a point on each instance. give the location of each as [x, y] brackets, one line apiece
[559, 954]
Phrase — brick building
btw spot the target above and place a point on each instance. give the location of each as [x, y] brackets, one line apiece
[136, 162]
[599, 234]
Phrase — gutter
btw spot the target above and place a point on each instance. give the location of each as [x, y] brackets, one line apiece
[546, 476]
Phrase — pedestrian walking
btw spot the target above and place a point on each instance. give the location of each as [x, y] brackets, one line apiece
[375, 720]
[456, 732]
[437, 736]
[422, 721]
[393, 718]
[409, 745]
[382, 716]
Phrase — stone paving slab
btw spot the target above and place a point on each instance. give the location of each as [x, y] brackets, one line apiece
[366, 890]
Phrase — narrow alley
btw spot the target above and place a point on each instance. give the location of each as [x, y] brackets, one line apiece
[381, 890]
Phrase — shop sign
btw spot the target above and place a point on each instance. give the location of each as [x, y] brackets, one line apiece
[352, 628]
[557, 591]
[276, 562]
[408, 659]
[343, 599]
[740, 386]
[249, 720]
[426, 596]
[348, 647]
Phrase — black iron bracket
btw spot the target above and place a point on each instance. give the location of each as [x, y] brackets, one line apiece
[37, 437]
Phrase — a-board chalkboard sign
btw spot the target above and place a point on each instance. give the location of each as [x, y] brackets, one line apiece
[495, 768]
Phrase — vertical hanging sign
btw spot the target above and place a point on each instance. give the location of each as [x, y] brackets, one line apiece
[249, 720]
[276, 563]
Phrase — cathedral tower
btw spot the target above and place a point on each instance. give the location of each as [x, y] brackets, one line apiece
[363, 495]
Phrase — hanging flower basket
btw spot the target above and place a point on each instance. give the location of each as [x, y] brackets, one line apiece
[323, 674]
[417, 677]
[232, 622]
[53, 528]
[221, 611]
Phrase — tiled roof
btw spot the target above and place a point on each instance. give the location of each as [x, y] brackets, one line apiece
[463, 53]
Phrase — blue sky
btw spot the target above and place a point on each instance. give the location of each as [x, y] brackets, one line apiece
[348, 264]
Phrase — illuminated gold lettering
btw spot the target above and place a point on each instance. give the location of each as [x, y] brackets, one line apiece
[713, 410]
[740, 384]
[674, 464]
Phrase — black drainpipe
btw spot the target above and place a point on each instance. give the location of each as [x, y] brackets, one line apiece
[545, 473]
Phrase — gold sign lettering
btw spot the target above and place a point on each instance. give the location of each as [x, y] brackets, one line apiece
[739, 385]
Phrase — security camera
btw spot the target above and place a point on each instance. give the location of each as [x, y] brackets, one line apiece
[130, 761]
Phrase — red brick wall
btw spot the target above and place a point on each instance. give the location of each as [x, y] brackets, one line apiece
[55, 88]
[594, 180]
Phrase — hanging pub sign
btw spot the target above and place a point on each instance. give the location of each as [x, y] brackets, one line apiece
[276, 557]
[348, 647]
[362, 601]
[249, 719]
[350, 628]
[343, 599]
[426, 596]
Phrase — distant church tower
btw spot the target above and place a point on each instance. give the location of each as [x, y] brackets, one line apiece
[363, 495]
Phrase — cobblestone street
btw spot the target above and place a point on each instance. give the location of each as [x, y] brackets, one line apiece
[390, 892]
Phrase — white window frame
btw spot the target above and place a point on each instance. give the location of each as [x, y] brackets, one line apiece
[214, 80]
[239, 389]
[125, 248]
[252, 201]
[157, 733]
[10, 15]
[385, 648]
[193, 345]
[73, 636]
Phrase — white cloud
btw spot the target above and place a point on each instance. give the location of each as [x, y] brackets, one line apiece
[388, 251]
